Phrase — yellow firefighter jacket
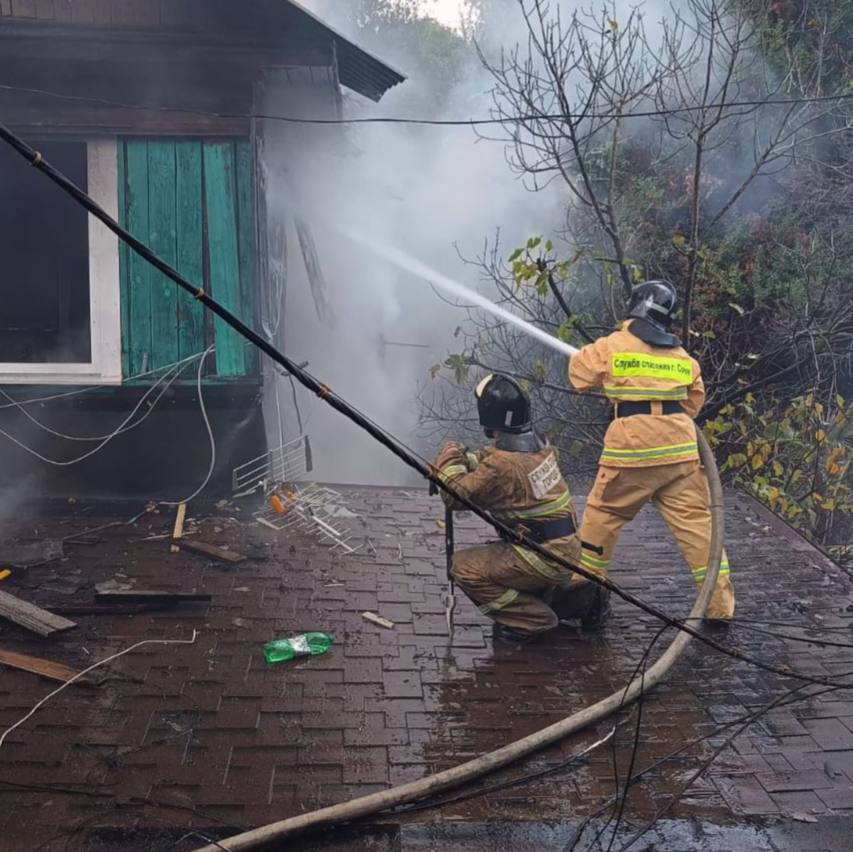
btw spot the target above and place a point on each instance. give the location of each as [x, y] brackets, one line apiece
[515, 487]
[628, 368]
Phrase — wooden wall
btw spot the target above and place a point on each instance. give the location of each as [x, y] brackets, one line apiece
[272, 20]
[190, 200]
[135, 14]
[63, 71]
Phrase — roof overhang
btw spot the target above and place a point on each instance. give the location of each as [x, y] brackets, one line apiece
[358, 70]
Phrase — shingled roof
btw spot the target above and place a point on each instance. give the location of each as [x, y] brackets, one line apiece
[208, 737]
[358, 69]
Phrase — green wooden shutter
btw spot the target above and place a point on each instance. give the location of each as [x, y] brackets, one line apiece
[191, 319]
[184, 198]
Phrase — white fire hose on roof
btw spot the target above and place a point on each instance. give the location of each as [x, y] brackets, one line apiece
[424, 788]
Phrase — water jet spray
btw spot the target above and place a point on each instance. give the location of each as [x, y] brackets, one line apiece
[416, 267]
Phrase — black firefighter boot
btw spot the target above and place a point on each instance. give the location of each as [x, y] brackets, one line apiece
[587, 603]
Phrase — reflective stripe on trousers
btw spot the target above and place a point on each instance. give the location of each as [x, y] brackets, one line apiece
[503, 601]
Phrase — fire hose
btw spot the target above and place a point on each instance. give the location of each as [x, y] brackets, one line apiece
[470, 770]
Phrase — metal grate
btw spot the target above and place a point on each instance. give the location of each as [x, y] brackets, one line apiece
[315, 509]
[288, 463]
[309, 507]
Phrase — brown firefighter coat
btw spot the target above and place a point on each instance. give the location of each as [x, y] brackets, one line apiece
[515, 487]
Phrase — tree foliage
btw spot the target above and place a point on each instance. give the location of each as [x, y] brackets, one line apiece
[709, 149]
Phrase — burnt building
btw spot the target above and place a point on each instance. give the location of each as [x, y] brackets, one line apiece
[151, 106]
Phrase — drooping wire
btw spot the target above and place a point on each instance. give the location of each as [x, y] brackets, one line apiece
[208, 427]
[639, 667]
[86, 671]
[433, 122]
[17, 403]
[167, 381]
[623, 800]
[788, 697]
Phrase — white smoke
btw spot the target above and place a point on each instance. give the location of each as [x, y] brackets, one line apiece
[433, 192]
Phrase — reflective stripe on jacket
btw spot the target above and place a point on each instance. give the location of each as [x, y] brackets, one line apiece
[628, 368]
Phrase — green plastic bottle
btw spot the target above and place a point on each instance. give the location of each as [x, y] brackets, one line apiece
[304, 645]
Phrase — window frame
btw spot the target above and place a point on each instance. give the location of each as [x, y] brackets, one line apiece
[105, 366]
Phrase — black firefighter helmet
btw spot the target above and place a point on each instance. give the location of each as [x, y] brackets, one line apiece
[653, 304]
[503, 405]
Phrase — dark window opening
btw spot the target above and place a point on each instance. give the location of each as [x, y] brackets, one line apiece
[44, 260]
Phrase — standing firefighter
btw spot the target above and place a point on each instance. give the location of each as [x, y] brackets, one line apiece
[650, 450]
[518, 480]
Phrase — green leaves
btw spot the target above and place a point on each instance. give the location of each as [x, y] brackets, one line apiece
[794, 457]
[530, 267]
[458, 364]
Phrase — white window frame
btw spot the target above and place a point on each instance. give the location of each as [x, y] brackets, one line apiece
[104, 289]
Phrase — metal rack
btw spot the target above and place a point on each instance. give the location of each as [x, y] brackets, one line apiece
[308, 506]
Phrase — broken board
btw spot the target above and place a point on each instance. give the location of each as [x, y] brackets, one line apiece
[211, 550]
[378, 619]
[36, 665]
[31, 617]
[178, 531]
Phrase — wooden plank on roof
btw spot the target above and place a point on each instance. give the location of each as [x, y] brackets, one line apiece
[162, 237]
[223, 253]
[246, 239]
[32, 617]
[211, 550]
[190, 246]
[36, 665]
[139, 271]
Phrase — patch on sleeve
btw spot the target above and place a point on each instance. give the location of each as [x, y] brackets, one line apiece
[544, 477]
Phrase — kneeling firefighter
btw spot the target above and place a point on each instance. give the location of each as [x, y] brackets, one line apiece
[519, 481]
[650, 450]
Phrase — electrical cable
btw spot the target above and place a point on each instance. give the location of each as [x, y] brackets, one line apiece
[17, 403]
[434, 122]
[209, 429]
[702, 768]
[640, 667]
[123, 427]
[86, 671]
[110, 435]
[750, 718]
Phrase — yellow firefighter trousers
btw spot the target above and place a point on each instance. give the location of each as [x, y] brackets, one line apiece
[680, 491]
[505, 587]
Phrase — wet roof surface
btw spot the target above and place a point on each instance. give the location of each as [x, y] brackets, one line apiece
[207, 736]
